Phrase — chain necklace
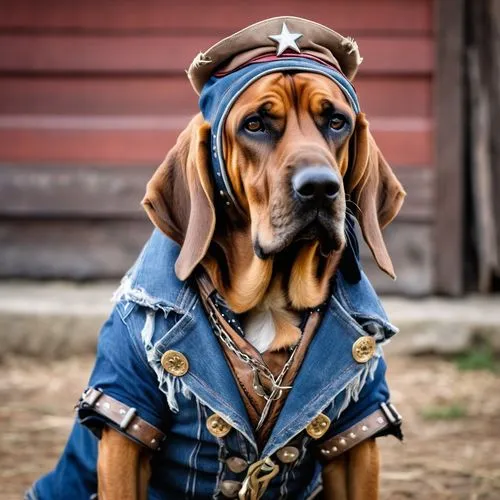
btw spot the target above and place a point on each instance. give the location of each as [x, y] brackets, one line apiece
[258, 368]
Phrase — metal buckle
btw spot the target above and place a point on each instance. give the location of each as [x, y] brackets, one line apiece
[90, 396]
[395, 412]
[127, 418]
[391, 413]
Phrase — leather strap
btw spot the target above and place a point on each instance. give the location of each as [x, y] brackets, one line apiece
[378, 421]
[123, 416]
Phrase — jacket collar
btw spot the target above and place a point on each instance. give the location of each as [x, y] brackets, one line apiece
[152, 281]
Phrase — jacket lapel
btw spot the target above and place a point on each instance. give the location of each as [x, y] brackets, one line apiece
[329, 368]
[152, 283]
[209, 377]
[326, 370]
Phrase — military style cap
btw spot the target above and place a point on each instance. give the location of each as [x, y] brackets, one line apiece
[281, 36]
[280, 44]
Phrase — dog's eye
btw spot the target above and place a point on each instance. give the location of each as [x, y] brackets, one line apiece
[337, 122]
[254, 125]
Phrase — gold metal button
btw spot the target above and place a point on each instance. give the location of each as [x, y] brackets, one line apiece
[229, 488]
[175, 363]
[217, 426]
[236, 464]
[318, 426]
[364, 349]
[288, 454]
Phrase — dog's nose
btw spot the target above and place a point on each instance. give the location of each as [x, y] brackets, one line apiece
[316, 185]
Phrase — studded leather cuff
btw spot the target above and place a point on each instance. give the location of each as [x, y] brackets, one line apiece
[122, 417]
[375, 424]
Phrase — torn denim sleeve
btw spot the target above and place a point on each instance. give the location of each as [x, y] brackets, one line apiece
[122, 371]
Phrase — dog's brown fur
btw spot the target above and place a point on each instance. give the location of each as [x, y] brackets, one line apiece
[180, 201]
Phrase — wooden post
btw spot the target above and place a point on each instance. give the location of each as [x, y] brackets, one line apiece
[483, 51]
[450, 150]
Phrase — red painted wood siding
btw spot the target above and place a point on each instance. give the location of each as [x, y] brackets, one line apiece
[102, 82]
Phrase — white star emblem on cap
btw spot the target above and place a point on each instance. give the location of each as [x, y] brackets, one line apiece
[286, 40]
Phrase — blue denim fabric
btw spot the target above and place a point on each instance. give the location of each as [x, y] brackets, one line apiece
[156, 312]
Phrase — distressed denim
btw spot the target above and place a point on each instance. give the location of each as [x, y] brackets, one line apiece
[156, 312]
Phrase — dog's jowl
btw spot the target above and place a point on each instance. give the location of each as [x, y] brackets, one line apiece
[243, 356]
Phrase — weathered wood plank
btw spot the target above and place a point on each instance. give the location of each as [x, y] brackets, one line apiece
[164, 54]
[76, 146]
[495, 124]
[420, 184]
[450, 152]
[79, 192]
[81, 249]
[411, 247]
[70, 249]
[137, 95]
[145, 140]
[106, 193]
[219, 16]
[390, 95]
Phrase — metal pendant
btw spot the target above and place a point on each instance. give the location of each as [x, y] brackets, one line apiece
[276, 389]
[257, 385]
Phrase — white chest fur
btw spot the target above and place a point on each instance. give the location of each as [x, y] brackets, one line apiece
[260, 329]
[271, 329]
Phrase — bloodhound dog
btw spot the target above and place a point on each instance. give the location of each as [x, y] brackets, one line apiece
[294, 182]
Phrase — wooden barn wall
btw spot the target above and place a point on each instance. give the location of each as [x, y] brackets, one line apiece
[93, 94]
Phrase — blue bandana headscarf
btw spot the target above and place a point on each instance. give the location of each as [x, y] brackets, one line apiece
[220, 93]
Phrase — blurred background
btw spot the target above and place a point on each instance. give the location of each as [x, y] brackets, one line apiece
[92, 96]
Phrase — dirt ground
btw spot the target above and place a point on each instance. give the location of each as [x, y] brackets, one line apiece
[452, 426]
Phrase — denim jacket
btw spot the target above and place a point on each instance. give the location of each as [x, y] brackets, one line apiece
[156, 312]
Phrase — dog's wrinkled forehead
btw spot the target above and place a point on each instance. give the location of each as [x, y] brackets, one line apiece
[280, 44]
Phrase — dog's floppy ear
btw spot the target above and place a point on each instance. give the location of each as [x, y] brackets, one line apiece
[179, 196]
[376, 193]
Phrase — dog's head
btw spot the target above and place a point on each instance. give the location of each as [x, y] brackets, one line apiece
[296, 154]
[295, 151]
[288, 143]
